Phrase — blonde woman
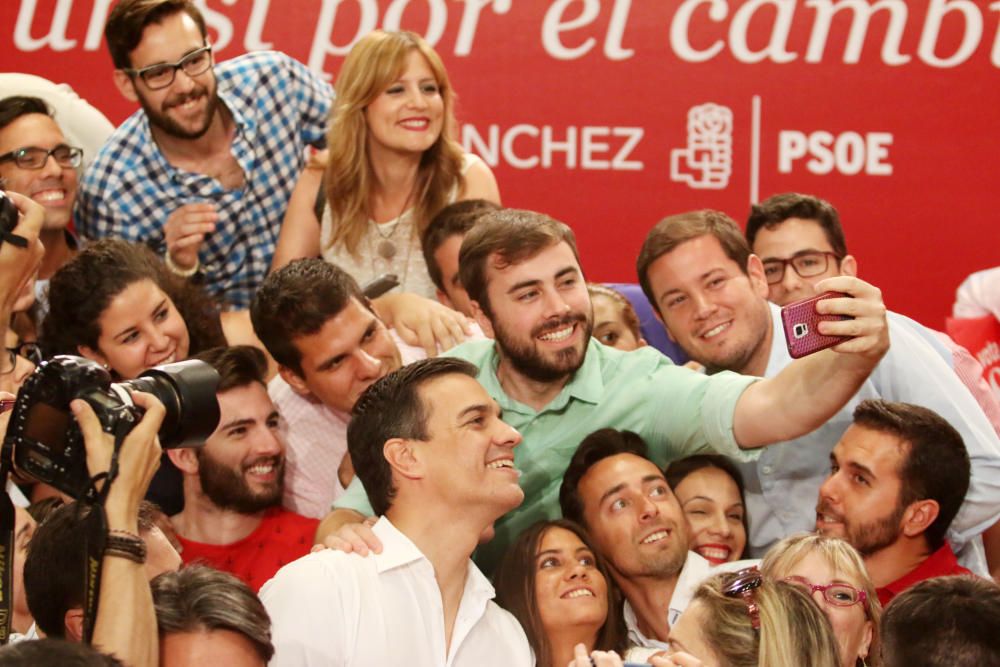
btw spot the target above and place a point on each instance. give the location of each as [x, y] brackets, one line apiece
[393, 163]
[744, 619]
[831, 570]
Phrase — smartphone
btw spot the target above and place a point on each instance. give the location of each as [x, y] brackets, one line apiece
[800, 322]
[380, 285]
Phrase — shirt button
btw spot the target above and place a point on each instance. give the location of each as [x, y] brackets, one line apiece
[767, 470]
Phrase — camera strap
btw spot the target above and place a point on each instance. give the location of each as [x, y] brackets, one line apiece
[6, 549]
[95, 525]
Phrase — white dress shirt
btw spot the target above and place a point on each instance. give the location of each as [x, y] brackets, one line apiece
[336, 609]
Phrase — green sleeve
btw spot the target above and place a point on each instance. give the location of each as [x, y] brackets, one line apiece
[354, 498]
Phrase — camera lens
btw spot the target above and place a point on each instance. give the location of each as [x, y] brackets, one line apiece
[187, 390]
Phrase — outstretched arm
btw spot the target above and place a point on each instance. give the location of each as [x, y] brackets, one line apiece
[809, 391]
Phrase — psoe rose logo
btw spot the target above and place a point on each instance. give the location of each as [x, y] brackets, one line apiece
[707, 161]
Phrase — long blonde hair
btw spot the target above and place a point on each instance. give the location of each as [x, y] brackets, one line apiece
[842, 558]
[793, 629]
[377, 60]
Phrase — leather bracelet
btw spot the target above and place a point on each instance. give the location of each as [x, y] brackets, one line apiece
[183, 273]
[125, 546]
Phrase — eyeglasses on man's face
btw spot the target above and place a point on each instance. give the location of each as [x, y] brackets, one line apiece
[806, 265]
[837, 594]
[162, 75]
[32, 157]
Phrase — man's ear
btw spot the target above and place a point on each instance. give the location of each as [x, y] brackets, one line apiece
[294, 380]
[402, 457]
[482, 320]
[918, 517]
[185, 459]
[92, 354]
[125, 85]
[755, 272]
[849, 266]
[73, 624]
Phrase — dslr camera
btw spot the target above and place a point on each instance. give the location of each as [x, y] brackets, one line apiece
[8, 213]
[44, 441]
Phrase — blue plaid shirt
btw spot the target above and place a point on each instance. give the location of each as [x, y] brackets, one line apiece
[279, 106]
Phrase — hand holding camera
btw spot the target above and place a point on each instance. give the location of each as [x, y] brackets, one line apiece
[20, 250]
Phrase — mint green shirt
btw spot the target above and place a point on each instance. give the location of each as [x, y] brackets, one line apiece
[677, 412]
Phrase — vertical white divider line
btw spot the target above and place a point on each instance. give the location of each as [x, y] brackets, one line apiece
[755, 150]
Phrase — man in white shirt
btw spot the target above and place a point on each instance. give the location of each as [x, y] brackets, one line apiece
[437, 461]
[623, 500]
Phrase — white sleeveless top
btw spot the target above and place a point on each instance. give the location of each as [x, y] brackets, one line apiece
[408, 262]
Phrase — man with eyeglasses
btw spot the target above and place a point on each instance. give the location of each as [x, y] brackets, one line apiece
[711, 293]
[37, 161]
[204, 171]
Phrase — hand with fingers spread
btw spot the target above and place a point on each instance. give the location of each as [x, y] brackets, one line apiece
[185, 231]
[869, 328]
[423, 322]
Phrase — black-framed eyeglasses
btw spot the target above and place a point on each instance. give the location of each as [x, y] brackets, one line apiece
[33, 157]
[162, 75]
[806, 264]
[837, 594]
[30, 351]
[742, 585]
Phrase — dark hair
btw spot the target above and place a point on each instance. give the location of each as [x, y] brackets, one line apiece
[512, 235]
[54, 568]
[129, 18]
[776, 209]
[453, 220]
[676, 472]
[515, 587]
[599, 445]
[297, 300]
[15, 106]
[674, 230]
[81, 290]
[238, 366]
[935, 465]
[942, 622]
[200, 598]
[149, 512]
[48, 652]
[41, 509]
[393, 408]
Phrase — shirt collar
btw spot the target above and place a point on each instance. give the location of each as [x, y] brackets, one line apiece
[587, 383]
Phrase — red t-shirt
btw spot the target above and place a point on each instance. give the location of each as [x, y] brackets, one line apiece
[941, 563]
[281, 537]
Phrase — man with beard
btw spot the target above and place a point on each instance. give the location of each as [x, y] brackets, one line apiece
[897, 479]
[623, 500]
[556, 384]
[711, 293]
[232, 517]
[204, 171]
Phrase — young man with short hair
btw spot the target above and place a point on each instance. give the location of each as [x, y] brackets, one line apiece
[438, 463]
[204, 172]
[232, 517]
[898, 476]
[623, 500]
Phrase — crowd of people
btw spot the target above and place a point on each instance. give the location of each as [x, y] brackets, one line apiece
[437, 443]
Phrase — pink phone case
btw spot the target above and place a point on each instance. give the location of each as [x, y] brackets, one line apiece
[800, 321]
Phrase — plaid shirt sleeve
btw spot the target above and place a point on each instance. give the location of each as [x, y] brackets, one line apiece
[279, 107]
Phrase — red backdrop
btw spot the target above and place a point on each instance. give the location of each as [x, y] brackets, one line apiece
[610, 115]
